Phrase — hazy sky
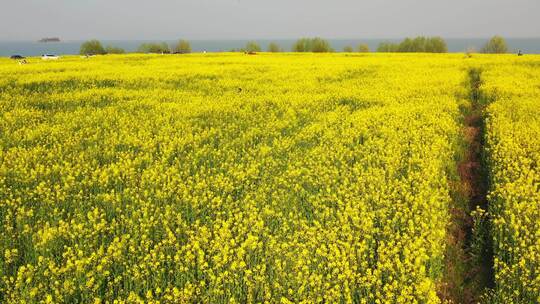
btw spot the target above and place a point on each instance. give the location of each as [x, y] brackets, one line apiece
[272, 19]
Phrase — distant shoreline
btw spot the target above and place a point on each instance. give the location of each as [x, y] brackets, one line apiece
[72, 47]
[47, 40]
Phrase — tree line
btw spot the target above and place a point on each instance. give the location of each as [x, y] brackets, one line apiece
[94, 47]
[415, 45]
[496, 45]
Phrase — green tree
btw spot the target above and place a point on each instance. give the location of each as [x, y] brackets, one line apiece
[387, 47]
[252, 47]
[316, 45]
[417, 45]
[301, 45]
[496, 45]
[182, 47]
[274, 48]
[348, 49]
[92, 47]
[408, 45]
[436, 45]
[114, 50]
[157, 48]
[320, 45]
[363, 48]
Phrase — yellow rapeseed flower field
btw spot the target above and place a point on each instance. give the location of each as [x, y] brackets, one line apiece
[228, 178]
[513, 138]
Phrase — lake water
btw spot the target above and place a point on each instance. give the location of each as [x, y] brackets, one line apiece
[29, 48]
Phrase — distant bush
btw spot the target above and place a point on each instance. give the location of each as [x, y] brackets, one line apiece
[470, 51]
[274, 48]
[182, 47]
[416, 45]
[92, 47]
[159, 48]
[363, 48]
[423, 45]
[316, 45]
[319, 45]
[387, 47]
[301, 45]
[435, 45]
[114, 50]
[252, 46]
[496, 45]
[348, 49]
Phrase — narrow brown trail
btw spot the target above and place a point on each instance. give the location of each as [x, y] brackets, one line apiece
[468, 261]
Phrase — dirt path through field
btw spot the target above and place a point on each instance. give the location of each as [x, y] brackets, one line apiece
[469, 256]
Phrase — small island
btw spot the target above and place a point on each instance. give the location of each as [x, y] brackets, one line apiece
[52, 39]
